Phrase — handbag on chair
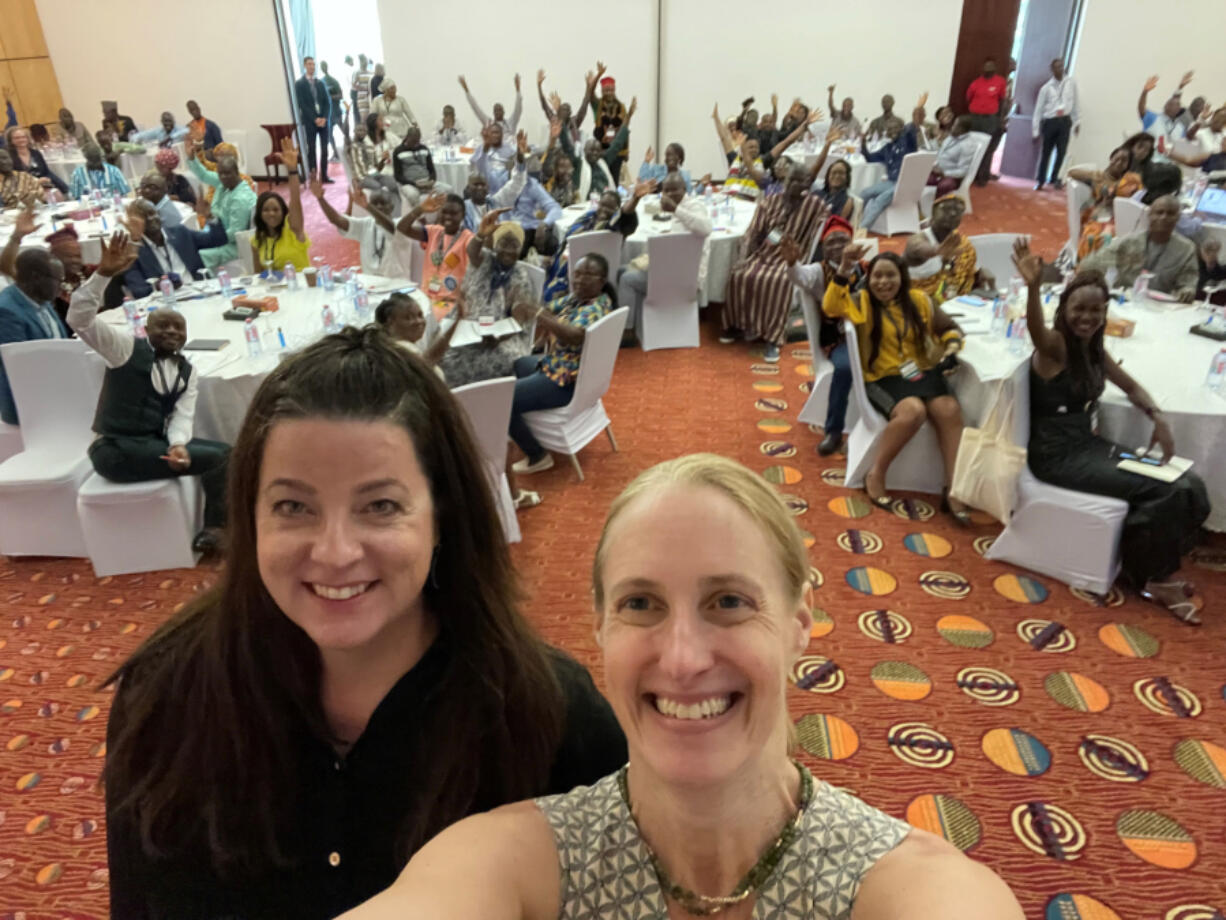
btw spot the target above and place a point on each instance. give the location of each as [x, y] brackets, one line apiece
[989, 463]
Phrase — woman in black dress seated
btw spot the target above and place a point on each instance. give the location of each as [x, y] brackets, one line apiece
[1067, 375]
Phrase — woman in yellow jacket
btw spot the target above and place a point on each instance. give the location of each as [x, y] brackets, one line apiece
[896, 326]
[280, 232]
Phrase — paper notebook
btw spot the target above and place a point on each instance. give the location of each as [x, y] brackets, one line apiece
[1167, 472]
[472, 332]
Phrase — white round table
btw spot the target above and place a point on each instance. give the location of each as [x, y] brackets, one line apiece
[725, 237]
[1167, 360]
[230, 377]
[90, 233]
[455, 171]
[863, 173]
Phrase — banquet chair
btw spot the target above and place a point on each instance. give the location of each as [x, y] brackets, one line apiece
[572, 427]
[928, 196]
[857, 210]
[10, 441]
[902, 216]
[1077, 196]
[1130, 216]
[813, 412]
[417, 263]
[1070, 536]
[669, 317]
[919, 466]
[536, 275]
[488, 405]
[134, 527]
[994, 252]
[55, 384]
[272, 161]
[607, 243]
[246, 257]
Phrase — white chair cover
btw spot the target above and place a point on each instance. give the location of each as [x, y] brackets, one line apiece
[488, 404]
[669, 318]
[919, 467]
[246, 258]
[994, 252]
[1130, 216]
[606, 242]
[928, 196]
[813, 412]
[10, 441]
[140, 526]
[902, 216]
[1070, 536]
[572, 427]
[1076, 195]
[55, 385]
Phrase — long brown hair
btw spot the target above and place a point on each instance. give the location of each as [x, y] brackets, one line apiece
[209, 708]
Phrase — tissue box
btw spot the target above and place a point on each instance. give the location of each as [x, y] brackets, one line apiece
[1121, 328]
[263, 304]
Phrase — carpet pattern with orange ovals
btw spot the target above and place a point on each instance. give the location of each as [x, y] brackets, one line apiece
[1088, 773]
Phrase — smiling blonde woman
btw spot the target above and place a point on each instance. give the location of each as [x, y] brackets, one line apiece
[711, 816]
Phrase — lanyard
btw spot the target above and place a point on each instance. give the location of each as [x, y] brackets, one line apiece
[439, 255]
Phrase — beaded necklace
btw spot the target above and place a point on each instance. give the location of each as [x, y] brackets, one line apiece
[701, 905]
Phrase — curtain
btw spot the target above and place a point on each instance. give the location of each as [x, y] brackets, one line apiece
[303, 22]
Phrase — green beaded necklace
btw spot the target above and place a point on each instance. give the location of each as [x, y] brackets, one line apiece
[700, 905]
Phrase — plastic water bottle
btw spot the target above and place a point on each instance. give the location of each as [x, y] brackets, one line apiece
[1140, 287]
[328, 319]
[325, 277]
[1202, 183]
[709, 196]
[133, 315]
[252, 335]
[361, 306]
[166, 286]
[223, 278]
[117, 201]
[1017, 337]
[1216, 380]
[291, 277]
[999, 309]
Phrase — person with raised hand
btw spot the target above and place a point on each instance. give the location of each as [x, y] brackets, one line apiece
[233, 202]
[280, 230]
[599, 167]
[508, 125]
[446, 246]
[382, 251]
[1068, 372]
[146, 410]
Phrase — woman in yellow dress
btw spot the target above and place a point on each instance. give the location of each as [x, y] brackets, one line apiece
[280, 235]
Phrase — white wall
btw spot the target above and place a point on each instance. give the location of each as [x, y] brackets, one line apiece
[1123, 43]
[225, 54]
[716, 50]
[427, 46]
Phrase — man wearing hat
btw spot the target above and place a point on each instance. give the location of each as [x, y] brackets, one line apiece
[166, 161]
[942, 262]
[609, 114]
[394, 108]
[64, 246]
[812, 279]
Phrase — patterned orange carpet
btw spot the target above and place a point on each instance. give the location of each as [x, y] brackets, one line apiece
[1084, 761]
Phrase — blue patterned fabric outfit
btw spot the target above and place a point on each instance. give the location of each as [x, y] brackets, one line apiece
[606, 872]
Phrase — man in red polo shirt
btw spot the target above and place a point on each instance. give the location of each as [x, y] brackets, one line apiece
[984, 98]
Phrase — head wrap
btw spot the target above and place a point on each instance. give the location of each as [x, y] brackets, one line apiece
[387, 83]
[60, 236]
[509, 228]
[607, 83]
[836, 224]
[166, 157]
[952, 196]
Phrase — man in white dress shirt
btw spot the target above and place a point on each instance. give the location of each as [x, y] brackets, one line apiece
[1057, 114]
[148, 401]
[383, 251]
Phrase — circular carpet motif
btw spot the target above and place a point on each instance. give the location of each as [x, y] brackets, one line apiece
[947, 585]
[1129, 641]
[1021, 589]
[868, 580]
[1160, 695]
[1157, 839]
[850, 506]
[900, 680]
[945, 816]
[1113, 759]
[912, 509]
[1076, 691]
[774, 426]
[860, 542]
[817, 674]
[1049, 830]
[964, 632]
[827, 737]
[782, 475]
[1016, 751]
[885, 626]
[779, 449]
[1046, 636]
[988, 686]
[823, 625]
[1203, 761]
[928, 544]
[920, 745]
[1078, 907]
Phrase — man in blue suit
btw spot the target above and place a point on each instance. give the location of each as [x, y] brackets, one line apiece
[27, 314]
[170, 251]
[314, 112]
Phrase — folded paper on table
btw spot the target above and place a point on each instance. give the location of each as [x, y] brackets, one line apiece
[472, 332]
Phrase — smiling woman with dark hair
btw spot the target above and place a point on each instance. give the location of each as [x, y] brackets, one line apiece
[361, 675]
[1068, 373]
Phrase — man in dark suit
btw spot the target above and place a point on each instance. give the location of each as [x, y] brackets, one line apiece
[26, 312]
[170, 251]
[314, 112]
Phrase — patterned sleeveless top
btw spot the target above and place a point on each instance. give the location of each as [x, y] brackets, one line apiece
[606, 873]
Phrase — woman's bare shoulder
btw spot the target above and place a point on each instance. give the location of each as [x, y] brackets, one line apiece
[927, 878]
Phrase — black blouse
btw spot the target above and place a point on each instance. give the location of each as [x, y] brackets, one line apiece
[349, 815]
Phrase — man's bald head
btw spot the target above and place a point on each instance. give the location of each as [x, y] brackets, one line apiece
[39, 274]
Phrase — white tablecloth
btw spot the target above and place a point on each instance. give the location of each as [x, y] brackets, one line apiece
[725, 237]
[1169, 362]
[453, 172]
[863, 173]
[89, 232]
[64, 161]
[230, 377]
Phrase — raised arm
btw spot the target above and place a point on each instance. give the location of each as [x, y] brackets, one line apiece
[1142, 101]
[435, 350]
[24, 226]
[540, 92]
[588, 88]
[778, 150]
[1047, 342]
[289, 157]
[830, 99]
[518, 110]
[725, 136]
[472, 101]
[113, 342]
[410, 225]
[484, 236]
[834, 134]
[207, 176]
[336, 219]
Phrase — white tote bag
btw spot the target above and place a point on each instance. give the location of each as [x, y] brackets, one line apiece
[989, 463]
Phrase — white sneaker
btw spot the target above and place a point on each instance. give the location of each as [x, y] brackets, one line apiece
[526, 466]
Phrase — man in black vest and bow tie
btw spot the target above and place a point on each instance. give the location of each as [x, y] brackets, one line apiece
[314, 112]
[148, 400]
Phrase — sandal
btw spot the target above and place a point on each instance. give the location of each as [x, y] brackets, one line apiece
[526, 499]
[881, 501]
[961, 518]
[1184, 611]
[1188, 589]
